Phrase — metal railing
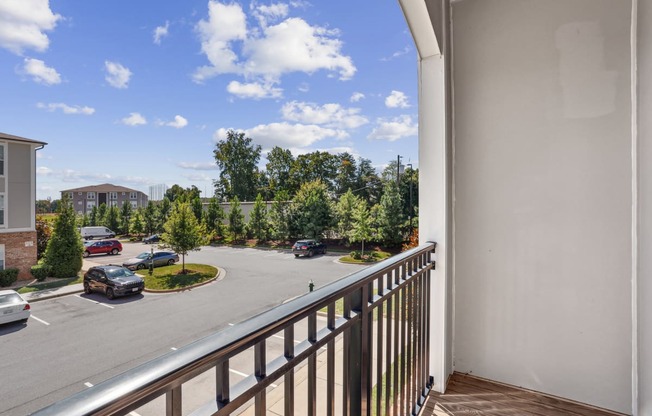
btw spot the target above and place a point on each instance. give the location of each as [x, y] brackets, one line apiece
[380, 339]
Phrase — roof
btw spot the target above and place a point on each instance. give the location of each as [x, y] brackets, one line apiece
[105, 187]
[5, 136]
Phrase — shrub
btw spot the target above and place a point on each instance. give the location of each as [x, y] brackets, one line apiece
[8, 277]
[40, 272]
[64, 251]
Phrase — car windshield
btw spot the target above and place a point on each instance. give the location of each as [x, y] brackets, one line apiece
[143, 256]
[9, 298]
[118, 272]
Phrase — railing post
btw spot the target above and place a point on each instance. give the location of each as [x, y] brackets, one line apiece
[288, 350]
[173, 402]
[260, 364]
[358, 355]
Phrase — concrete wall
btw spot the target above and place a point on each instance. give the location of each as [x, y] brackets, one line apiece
[543, 196]
[644, 272]
[19, 196]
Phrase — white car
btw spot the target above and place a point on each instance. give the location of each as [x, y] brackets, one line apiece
[13, 307]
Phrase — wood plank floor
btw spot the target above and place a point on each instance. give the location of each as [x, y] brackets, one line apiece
[468, 395]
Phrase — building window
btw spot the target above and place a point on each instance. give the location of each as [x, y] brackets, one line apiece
[134, 204]
[113, 203]
[71, 195]
[2, 256]
[132, 195]
[90, 195]
[2, 159]
[2, 210]
[113, 195]
[90, 205]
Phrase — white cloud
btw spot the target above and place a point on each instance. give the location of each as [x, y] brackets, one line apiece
[117, 75]
[394, 129]
[397, 54]
[330, 115]
[160, 32]
[198, 177]
[356, 96]
[67, 109]
[397, 99]
[266, 53]
[134, 119]
[178, 122]
[254, 90]
[286, 135]
[23, 24]
[198, 165]
[303, 87]
[43, 171]
[40, 72]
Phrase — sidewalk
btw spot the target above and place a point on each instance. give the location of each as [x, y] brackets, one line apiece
[59, 291]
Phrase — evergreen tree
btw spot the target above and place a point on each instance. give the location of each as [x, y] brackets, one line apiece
[165, 209]
[63, 255]
[93, 217]
[214, 219]
[362, 229]
[258, 222]
[344, 210]
[137, 226]
[391, 215]
[83, 220]
[150, 218]
[279, 216]
[125, 217]
[312, 209]
[113, 218]
[236, 219]
[183, 233]
[197, 208]
[101, 214]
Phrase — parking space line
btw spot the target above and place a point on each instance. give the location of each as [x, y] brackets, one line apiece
[173, 349]
[87, 384]
[95, 302]
[40, 320]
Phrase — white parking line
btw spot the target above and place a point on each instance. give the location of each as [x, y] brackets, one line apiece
[96, 302]
[40, 320]
[173, 349]
[87, 384]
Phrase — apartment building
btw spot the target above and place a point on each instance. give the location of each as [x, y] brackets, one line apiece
[85, 198]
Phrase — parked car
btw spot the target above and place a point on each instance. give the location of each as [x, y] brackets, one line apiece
[89, 233]
[154, 238]
[112, 280]
[308, 248]
[142, 261]
[13, 307]
[102, 247]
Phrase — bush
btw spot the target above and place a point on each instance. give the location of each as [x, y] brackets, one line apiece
[8, 277]
[40, 272]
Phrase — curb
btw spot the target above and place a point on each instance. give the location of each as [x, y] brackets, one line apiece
[218, 276]
[52, 296]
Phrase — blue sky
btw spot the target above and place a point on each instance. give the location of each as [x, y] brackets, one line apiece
[137, 93]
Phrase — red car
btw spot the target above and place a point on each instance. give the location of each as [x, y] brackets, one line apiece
[102, 247]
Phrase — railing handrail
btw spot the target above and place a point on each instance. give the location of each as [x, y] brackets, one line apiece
[146, 381]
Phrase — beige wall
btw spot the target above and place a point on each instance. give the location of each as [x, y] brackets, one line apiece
[542, 196]
[19, 196]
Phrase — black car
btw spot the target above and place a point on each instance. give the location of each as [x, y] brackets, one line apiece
[155, 238]
[113, 281]
[308, 248]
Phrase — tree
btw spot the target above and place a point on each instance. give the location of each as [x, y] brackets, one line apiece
[125, 216]
[92, 220]
[150, 218]
[237, 157]
[314, 166]
[178, 193]
[214, 218]
[63, 255]
[183, 233]
[137, 227]
[113, 218]
[197, 208]
[368, 185]
[279, 216]
[258, 222]
[344, 211]
[43, 234]
[391, 215]
[362, 229]
[101, 214]
[345, 178]
[164, 210]
[279, 164]
[312, 208]
[236, 219]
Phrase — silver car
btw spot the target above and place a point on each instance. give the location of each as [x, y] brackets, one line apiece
[143, 260]
[13, 307]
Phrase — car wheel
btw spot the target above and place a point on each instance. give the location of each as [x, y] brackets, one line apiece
[114, 251]
[141, 266]
[87, 289]
[296, 256]
[170, 262]
[110, 294]
[86, 254]
[24, 321]
[310, 253]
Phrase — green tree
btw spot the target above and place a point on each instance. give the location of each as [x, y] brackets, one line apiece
[279, 164]
[258, 222]
[197, 208]
[280, 217]
[214, 218]
[164, 209]
[344, 213]
[43, 235]
[137, 225]
[83, 220]
[237, 157]
[314, 166]
[236, 219]
[345, 178]
[391, 219]
[101, 214]
[312, 209]
[368, 185]
[63, 255]
[183, 233]
[113, 218]
[362, 225]
[179, 193]
[150, 218]
[92, 220]
[125, 217]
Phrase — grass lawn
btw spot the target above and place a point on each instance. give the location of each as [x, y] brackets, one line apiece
[169, 277]
[378, 256]
[51, 284]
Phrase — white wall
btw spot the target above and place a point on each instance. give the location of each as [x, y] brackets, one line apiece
[542, 196]
[644, 271]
